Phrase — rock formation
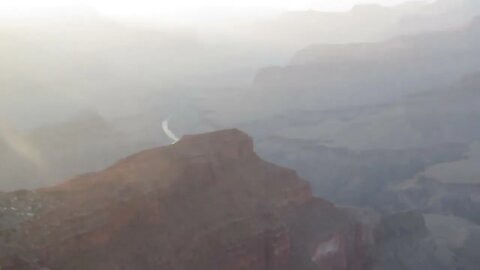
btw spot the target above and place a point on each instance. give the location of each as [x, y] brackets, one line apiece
[207, 202]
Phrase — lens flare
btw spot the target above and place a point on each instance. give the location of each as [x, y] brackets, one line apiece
[15, 141]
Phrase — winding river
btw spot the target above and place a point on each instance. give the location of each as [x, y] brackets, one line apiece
[168, 132]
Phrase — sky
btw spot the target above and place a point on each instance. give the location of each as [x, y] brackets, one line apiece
[183, 9]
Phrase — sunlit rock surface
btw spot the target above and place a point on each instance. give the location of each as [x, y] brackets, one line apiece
[206, 202]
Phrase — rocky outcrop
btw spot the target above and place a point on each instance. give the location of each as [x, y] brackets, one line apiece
[206, 202]
[209, 202]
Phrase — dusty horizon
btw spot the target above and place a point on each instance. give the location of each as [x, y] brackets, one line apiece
[180, 12]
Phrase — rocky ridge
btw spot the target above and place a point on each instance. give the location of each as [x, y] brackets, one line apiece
[207, 202]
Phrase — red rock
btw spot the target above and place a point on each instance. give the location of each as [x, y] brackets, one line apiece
[206, 202]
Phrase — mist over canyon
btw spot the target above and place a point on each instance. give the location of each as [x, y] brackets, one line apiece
[305, 139]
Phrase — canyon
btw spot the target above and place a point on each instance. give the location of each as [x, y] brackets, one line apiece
[206, 202]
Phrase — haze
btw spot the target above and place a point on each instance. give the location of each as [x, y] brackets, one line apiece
[186, 10]
[246, 135]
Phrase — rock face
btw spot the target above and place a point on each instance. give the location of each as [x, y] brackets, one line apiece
[207, 202]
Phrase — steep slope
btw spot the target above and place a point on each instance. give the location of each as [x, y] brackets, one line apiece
[207, 202]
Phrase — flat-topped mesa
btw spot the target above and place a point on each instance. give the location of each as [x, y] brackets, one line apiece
[214, 147]
[198, 189]
[204, 160]
[231, 143]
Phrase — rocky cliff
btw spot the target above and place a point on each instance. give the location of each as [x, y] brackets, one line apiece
[207, 202]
